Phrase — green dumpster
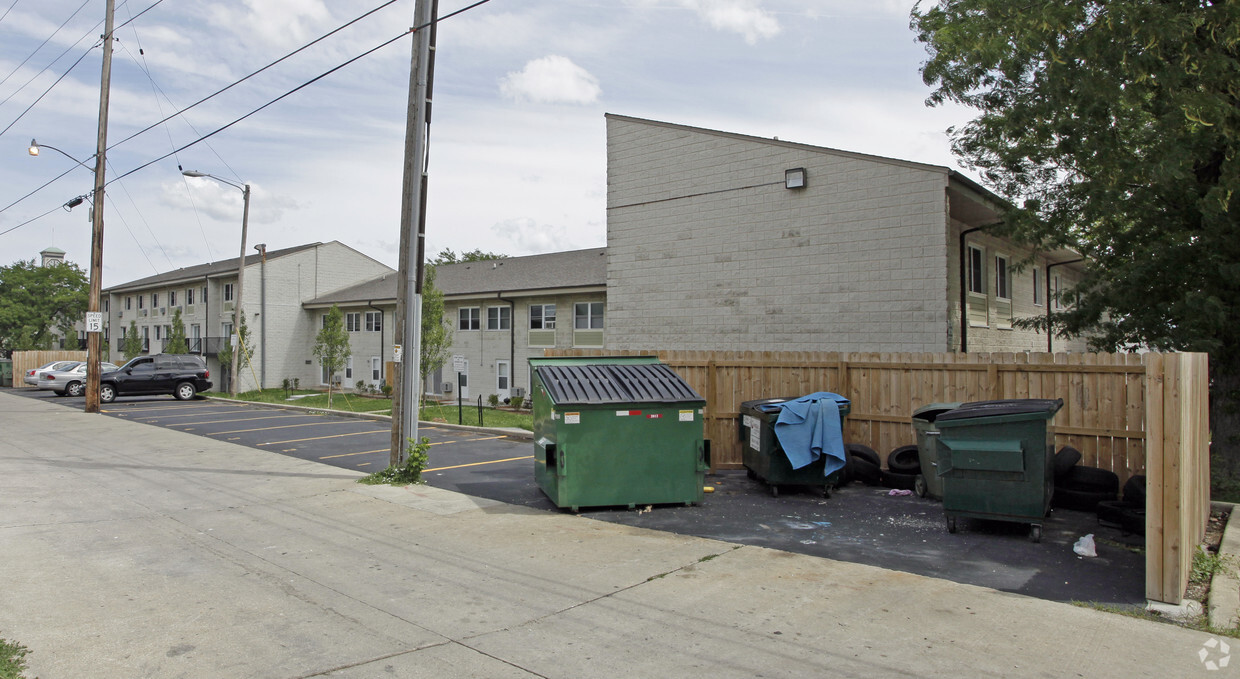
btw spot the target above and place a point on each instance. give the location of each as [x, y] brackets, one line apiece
[6, 372]
[928, 483]
[996, 461]
[616, 431]
[764, 457]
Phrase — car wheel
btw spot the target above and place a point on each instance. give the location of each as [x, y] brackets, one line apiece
[107, 393]
[74, 389]
[904, 460]
[185, 391]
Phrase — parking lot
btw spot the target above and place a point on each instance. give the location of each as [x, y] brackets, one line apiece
[858, 524]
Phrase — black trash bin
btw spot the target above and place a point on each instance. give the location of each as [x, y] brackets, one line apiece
[765, 458]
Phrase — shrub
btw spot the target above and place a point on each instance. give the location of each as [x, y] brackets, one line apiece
[417, 454]
[517, 402]
[493, 399]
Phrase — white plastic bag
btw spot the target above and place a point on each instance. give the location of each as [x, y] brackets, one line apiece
[1085, 546]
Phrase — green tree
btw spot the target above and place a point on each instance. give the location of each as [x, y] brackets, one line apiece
[225, 356]
[436, 331]
[331, 346]
[1112, 127]
[132, 344]
[176, 336]
[37, 301]
[447, 256]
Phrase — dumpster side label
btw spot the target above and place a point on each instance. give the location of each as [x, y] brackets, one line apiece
[572, 418]
[627, 413]
[686, 416]
[654, 416]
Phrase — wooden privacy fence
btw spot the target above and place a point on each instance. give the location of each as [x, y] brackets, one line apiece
[1129, 413]
[24, 361]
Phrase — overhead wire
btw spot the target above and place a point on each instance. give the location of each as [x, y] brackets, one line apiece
[10, 9]
[45, 41]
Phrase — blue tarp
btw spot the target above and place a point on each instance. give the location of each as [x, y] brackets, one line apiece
[809, 428]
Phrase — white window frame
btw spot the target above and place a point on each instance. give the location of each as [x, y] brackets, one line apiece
[228, 292]
[189, 297]
[353, 321]
[172, 298]
[374, 321]
[469, 318]
[976, 276]
[590, 316]
[376, 369]
[544, 322]
[499, 318]
[1037, 286]
[1055, 293]
[348, 368]
[1003, 277]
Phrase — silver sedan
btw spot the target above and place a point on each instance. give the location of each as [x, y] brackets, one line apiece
[71, 382]
[32, 376]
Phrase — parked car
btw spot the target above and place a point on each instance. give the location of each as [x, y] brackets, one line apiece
[71, 382]
[32, 376]
[182, 375]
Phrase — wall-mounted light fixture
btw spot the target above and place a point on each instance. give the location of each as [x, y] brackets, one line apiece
[794, 178]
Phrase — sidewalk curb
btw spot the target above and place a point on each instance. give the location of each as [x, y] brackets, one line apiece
[1223, 602]
[513, 433]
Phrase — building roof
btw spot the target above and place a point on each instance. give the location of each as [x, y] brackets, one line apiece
[511, 275]
[219, 268]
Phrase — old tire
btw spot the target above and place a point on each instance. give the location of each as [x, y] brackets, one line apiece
[863, 452]
[1065, 460]
[1079, 500]
[904, 460]
[867, 473]
[1134, 491]
[1090, 479]
[898, 481]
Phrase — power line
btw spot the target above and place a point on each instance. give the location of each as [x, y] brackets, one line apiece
[14, 228]
[45, 41]
[10, 9]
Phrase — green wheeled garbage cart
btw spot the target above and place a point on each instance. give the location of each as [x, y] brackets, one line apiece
[616, 431]
[928, 483]
[996, 461]
[764, 457]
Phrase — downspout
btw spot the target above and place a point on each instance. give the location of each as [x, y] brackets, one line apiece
[964, 290]
[1050, 335]
[512, 341]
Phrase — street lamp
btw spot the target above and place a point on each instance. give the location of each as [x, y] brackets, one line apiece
[94, 352]
[245, 221]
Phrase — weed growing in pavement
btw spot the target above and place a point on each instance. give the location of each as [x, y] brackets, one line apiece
[12, 659]
[410, 473]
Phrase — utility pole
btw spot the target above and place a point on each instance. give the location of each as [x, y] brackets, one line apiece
[93, 349]
[408, 334]
[238, 314]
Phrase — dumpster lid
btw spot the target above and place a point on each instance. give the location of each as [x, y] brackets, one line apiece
[593, 383]
[1017, 406]
[930, 412]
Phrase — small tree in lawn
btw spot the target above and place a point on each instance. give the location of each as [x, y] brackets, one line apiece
[226, 353]
[132, 346]
[176, 336]
[436, 332]
[331, 346]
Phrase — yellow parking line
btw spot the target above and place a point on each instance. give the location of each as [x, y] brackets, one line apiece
[489, 438]
[191, 413]
[475, 464]
[364, 452]
[283, 426]
[316, 438]
[136, 408]
[242, 419]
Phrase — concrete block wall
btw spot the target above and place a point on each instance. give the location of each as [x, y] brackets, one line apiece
[708, 250]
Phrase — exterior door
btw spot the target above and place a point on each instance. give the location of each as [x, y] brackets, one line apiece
[503, 379]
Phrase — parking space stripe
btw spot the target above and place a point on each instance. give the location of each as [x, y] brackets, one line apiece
[365, 452]
[243, 419]
[221, 413]
[333, 436]
[283, 426]
[476, 464]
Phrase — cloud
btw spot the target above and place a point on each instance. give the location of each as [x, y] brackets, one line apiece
[738, 16]
[225, 203]
[551, 80]
[529, 237]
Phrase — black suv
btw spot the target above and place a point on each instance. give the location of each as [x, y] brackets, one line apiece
[182, 375]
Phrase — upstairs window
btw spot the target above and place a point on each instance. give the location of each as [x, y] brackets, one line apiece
[499, 318]
[469, 318]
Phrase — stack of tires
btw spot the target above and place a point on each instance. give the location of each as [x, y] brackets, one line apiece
[1127, 513]
[864, 464]
[1082, 488]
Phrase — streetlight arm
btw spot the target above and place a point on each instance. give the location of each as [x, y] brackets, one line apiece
[35, 147]
[196, 173]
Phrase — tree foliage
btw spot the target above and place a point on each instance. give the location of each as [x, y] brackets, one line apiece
[1112, 128]
[36, 301]
[132, 344]
[176, 335]
[447, 256]
[331, 346]
[436, 331]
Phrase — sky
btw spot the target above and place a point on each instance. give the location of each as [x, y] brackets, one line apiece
[517, 155]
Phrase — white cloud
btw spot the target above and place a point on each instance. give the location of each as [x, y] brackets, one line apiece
[528, 236]
[225, 203]
[551, 80]
[745, 17]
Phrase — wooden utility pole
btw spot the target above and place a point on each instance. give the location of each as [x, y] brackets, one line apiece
[408, 334]
[94, 351]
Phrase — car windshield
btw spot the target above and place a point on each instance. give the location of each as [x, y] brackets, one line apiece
[63, 365]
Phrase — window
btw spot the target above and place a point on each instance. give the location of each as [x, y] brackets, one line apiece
[1003, 278]
[376, 368]
[128, 303]
[374, 321]
[588, 315]
[172, 298]
[140, 298]
[976, 273]
[228, 292]
[204, 294]
[499, 318]
[157, 332]
[542, 317]
[469, 318]
[1055, 293]
[348, 369]
[189, 297]
[107, 305]
[352, 322]
[1037, 287]
[146, 336]
[226, 331]
[154, 300]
